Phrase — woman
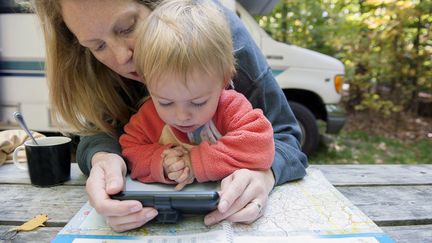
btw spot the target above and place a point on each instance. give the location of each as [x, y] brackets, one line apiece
[93, 88]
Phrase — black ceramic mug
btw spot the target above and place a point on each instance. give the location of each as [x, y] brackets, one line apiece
[48, 162]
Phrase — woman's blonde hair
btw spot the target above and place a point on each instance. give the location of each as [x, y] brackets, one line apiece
[84, 93]
[182, 36]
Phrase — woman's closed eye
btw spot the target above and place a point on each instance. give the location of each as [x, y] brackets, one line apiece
[127, 30]
[99, 47]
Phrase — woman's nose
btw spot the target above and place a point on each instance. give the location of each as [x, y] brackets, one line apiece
[123, 53]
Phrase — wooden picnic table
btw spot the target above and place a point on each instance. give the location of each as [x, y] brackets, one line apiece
[398, 198]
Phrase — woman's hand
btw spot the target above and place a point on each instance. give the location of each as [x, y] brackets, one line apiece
[107, 178]
[243, 197]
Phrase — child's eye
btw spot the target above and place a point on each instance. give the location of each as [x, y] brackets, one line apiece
[165, 104]
[199, 104]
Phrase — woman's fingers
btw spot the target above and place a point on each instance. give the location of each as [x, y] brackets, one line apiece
[248, 214]
[107, 178]
[240, 202]
[233, 187]
[110, 170]
[235, 212]
[131, 221]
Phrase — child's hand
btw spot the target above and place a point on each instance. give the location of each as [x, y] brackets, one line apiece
[173, 163]
[187, 176]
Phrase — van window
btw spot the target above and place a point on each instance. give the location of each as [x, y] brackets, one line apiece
[15, 6]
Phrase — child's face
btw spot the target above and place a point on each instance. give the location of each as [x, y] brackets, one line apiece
[187, 106]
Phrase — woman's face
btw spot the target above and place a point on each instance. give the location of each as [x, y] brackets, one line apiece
[108, 28]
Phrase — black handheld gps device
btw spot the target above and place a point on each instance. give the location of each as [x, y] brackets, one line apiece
[195, 198]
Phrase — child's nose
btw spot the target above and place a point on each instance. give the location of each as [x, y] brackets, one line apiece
[183, 115]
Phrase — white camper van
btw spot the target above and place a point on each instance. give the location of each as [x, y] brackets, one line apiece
[311, 81]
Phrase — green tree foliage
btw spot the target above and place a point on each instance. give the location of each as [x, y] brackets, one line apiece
[386, 46]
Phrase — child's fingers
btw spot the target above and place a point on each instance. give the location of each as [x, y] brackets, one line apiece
[168, 161]
[181, 150]
[174, 175]
[172, 152]
[190, 179]
[180, 186]
[164, 153]
[184, 175]
[177, 166]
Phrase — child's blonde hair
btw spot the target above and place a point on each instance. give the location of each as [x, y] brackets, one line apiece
[183, 36]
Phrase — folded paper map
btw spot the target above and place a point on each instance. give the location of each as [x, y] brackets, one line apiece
[308, 210]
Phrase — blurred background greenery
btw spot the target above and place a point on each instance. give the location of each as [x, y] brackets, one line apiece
[386, 46]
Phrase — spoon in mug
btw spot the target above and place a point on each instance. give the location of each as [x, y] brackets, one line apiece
[20, 119]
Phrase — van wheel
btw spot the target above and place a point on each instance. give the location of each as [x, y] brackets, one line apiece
[307, 122]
